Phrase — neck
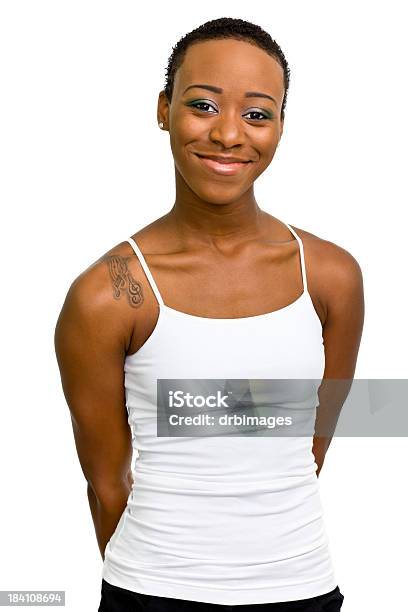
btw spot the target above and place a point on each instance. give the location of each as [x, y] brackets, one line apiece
[218, 220]
[203, 220]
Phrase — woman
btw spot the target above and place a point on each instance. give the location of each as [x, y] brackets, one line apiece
[215, 289]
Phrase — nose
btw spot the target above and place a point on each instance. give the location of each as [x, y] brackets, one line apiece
[228, 130]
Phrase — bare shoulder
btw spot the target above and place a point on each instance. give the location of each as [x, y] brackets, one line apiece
[105, 295]
[333, 273]
[108, 280]
[330, 255]
[113, 296]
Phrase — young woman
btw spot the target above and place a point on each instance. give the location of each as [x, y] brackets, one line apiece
[217, 288]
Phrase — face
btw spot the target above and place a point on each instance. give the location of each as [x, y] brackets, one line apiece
[236, 114]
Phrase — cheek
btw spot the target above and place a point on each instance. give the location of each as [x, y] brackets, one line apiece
[266, 145]
[189, 127]
[186, 132]
[265, 140]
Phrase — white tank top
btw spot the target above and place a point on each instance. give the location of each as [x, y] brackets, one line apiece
[223, 520]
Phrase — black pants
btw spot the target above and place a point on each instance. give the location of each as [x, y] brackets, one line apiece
[116, 599]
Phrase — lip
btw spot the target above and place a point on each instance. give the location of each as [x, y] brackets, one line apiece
[224, 167]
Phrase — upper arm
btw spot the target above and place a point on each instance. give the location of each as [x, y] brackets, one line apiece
[344, 302]
[90, 344]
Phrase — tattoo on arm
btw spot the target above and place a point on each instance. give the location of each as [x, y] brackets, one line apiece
[122, 280]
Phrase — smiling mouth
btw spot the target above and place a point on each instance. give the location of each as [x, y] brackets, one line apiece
[222, 167]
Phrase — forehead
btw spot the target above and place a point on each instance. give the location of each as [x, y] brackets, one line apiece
[230, 64]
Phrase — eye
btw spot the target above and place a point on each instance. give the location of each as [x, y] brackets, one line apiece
[201, 103]
[256, 112]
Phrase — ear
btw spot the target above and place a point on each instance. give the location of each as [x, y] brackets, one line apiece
[163, 109]
[281, 129]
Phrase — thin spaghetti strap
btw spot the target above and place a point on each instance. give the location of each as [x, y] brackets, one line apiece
[302, 255]
[143, 263]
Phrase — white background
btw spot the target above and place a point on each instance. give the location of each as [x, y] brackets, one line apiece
[84, 165]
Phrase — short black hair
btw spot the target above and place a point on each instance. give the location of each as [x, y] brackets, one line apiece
[226, 27]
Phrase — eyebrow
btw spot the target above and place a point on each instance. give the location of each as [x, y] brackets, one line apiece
[248, 94]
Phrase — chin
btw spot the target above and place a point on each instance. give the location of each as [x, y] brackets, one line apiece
[219, 195]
